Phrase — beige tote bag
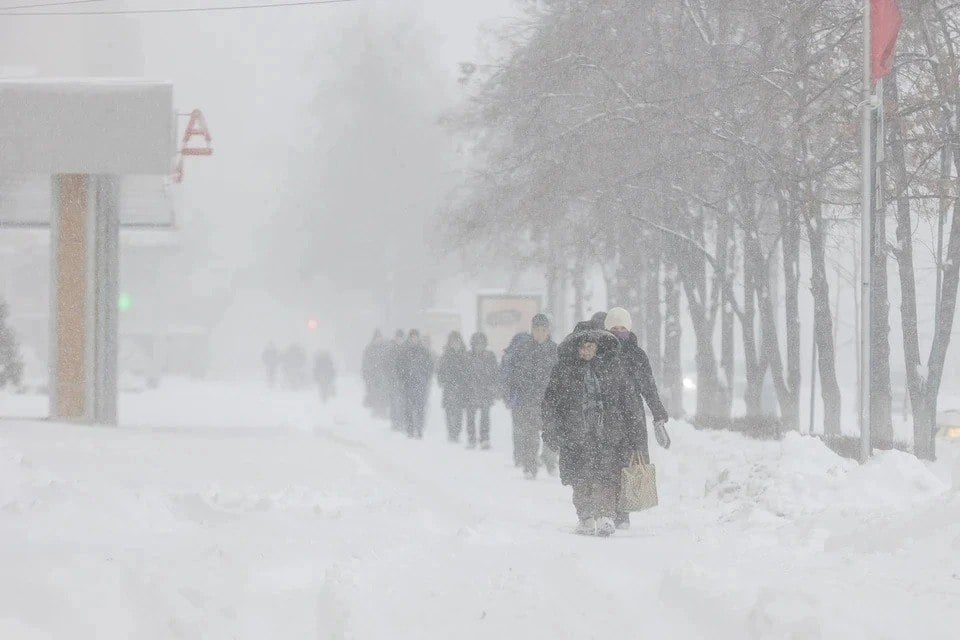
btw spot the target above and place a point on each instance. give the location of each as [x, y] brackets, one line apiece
[638, 486]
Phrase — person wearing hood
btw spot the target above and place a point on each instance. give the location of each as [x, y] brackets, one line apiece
[619, 322]
[591, 414]
[453, 377]
[483, 371]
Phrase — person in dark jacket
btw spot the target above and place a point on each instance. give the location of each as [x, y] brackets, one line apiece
[453, 374]
[637, 365]
[590, 411]
[294, 363]
[325, 375]
[415, 367]
[271, 360]
[482, 389]
[375, 376]
[508, 368]
[528, 383]
[394, 381]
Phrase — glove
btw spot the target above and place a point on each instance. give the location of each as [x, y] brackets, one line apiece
[660, 431]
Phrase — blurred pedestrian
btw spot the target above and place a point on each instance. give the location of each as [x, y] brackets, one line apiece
[482, 389]
[325, 375]
[508, 367]
[528, 382]
[452, 376]
[271, 360]
[376, 376]
[294, 363]
[394, 381]
[416, 370]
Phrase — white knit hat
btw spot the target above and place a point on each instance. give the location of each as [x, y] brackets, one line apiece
[618, 317]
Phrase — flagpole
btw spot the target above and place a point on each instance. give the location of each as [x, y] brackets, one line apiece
[866, 242]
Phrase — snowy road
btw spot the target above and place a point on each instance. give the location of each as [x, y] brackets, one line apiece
[232, 512]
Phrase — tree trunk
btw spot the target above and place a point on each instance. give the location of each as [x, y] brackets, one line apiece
[753, 394]
[652, 316]
[791, 279]
[823, 321]
[726, 255]
[672, 336]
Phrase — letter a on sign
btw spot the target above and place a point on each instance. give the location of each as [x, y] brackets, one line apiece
[197, 128]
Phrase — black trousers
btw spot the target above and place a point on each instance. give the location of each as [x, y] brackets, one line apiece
[484, 424]
[454, 421]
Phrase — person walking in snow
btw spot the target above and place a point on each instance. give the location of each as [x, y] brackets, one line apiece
[527, 385]
[325, 375]
[508, 368]
[376, 376]
[415, 366]
[393, 377]
[271, 361]
[591, 412]
[637, 365]
[482, 390]
[294, 365]
[452, 376]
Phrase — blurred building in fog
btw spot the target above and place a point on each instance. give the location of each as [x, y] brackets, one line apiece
[160, 330]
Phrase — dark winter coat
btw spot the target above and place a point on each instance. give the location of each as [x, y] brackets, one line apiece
[592, 434]
[637, 365]
[323, 370]
[531, 373]
[508, 367]
[414, 369]
[483, 377]
[391, 367]
[453, 376]
[372, 365]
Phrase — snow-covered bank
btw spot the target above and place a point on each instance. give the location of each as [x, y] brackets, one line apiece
[232, 511]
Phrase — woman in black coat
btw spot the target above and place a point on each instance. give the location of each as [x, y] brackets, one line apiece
[592, 414]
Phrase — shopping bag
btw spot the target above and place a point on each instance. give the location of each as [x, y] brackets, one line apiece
[638, 486]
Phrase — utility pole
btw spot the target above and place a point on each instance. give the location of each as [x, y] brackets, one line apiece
[866, 239]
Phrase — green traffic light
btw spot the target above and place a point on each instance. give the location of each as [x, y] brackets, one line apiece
[124, 302]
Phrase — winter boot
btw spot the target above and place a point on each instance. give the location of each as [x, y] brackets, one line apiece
[622, 520]
[530, 475]
[587, 527]
[471, 445]
[485, 445]
[605, 527]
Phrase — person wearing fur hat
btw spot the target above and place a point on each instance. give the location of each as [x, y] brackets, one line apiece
[591, 412]
[482, 389]
[637, 364]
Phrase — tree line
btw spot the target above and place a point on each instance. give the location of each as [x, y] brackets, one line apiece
[693, 151]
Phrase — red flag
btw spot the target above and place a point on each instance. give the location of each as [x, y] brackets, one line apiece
[885, 21]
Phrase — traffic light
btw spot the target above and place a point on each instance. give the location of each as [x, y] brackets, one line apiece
[124, 302]
[313, 324]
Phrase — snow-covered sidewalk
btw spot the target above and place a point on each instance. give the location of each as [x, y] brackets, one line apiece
[227, 511]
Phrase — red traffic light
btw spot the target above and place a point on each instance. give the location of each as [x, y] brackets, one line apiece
[313, 324]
